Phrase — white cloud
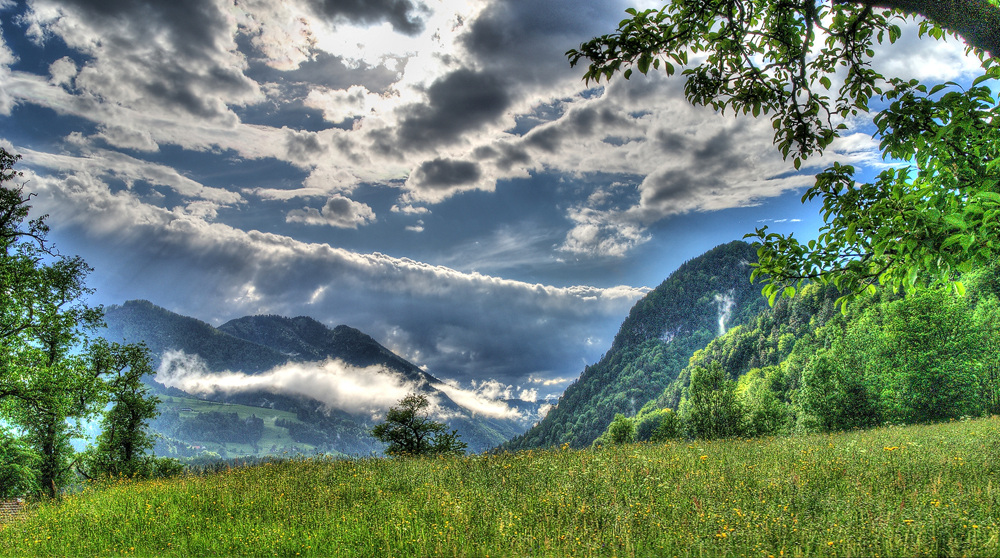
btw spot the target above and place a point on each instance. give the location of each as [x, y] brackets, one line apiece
[334, 383]
[338, 212]
[482, 401]
[106, 163]
[340, 386]
[7, 58]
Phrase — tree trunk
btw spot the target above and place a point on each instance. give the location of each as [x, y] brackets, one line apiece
[975, 21]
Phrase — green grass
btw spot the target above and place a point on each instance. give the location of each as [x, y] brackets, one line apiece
[914, 491]
[273, 436]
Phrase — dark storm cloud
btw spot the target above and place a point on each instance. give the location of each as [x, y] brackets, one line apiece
[459, 102]
[403, 15]
[446, 174]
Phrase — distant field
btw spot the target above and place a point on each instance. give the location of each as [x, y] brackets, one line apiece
[274, 437]
[913, 491]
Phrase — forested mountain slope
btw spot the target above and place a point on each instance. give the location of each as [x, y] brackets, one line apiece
[805, 366]
[701, 299]
[162, 330]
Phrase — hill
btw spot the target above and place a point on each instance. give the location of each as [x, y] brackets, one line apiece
[807, 366]
[328, 363]
[700, 300]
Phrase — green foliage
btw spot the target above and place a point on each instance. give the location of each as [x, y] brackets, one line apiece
[652, 346]
[51, 376]
[930, 356]
[915, 226]
[621, 430]
[711, 409]
[758, 393]
[850, 494]
[759, 57]
[410, 431]
[18, 467]
[122, 446]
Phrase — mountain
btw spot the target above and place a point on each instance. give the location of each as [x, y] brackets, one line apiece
[305, 339]
[805, 365]
[699, 301]
[162, 331]
[260, 345]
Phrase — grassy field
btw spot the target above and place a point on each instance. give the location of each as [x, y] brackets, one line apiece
[914, 491]
[274, 436]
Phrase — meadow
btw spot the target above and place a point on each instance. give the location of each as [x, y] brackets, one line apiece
[929, 490]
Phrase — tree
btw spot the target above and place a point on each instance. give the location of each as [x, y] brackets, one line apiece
[914, 226]
[121, 447]
[621, 430]
[711, 408]
[18, 466]
[52, 373]
[409, 430]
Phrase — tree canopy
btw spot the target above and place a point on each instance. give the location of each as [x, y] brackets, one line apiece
[808, 66]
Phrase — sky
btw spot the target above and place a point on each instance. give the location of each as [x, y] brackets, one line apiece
[431, 172]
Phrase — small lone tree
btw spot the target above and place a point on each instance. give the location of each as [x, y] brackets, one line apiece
[409, 430]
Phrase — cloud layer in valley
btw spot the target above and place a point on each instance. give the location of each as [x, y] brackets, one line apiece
[366, 391]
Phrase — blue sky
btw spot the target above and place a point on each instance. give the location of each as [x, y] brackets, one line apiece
[431, 172]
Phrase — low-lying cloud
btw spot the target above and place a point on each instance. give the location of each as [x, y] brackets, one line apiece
[334, 383]
[339, 386]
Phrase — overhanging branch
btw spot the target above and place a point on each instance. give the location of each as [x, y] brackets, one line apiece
[975, 21]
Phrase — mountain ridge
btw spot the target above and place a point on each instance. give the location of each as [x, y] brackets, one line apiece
[654, 343]
[267, 344]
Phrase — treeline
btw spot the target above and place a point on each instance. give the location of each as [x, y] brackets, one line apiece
[805, 366]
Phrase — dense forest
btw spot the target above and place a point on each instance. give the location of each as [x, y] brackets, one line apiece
[806, 366]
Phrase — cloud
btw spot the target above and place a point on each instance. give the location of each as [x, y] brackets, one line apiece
[128, 138]
[440, 178]
[7, 58]
[457, 103]
[102, 163]
[403, 15]
[487, 400]
[340, 386]
[338, 212]
[462, 325]
[337, 385]
[191, 69]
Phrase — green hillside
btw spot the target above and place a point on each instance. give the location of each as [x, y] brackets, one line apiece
[805, 366]
[179, 427]
[703, 296]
